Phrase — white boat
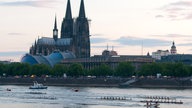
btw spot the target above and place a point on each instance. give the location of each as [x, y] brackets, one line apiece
[36, 85]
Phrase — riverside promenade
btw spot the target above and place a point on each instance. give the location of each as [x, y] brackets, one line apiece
[73, 82]
[159, 83]
[102, 82]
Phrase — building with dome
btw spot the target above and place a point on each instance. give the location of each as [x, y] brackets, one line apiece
[174, 57]
[160, 53]
[107, 53]
[173, 49]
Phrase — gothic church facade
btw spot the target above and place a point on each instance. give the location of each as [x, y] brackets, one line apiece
[75, 36]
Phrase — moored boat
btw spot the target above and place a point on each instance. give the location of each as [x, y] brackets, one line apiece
[36, 85]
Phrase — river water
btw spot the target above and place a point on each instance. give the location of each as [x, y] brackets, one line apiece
[66, 97]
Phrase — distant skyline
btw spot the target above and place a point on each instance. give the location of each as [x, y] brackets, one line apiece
[125, 24]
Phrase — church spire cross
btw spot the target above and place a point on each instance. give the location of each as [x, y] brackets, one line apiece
[82, 10]
[68, 14]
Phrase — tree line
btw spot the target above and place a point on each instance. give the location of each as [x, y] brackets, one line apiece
[124, 69]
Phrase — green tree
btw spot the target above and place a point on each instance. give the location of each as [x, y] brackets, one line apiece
[181, 70]
[2, 69]
[59, 70]
[150, 69]
[13, 69]
[125, 69]
[26, 68]
[75, 70]
[40, 69]
[168, 69]
[102, 70]
[20, 69]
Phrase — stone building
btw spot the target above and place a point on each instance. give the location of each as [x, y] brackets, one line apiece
[75, 36]
[110, 58]
[159, 53]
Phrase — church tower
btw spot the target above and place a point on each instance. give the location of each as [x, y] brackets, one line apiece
[173, 49]
[55, 30]
[82, 40]
[67, 24]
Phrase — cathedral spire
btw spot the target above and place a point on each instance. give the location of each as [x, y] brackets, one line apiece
[55, 25]
[82, 10]
[82, 39]
[55, 30]
[67, 24]
[68, 14]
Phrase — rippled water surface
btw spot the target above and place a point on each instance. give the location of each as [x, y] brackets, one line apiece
[66, 97]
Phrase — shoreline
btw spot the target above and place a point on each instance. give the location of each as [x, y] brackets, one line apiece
[101, 82]
[68, 82]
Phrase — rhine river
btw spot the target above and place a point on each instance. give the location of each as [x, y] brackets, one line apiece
[66, 97]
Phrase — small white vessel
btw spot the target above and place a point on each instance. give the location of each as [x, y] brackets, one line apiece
[36, 85]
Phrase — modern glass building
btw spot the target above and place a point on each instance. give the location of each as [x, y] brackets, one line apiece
[51, 60]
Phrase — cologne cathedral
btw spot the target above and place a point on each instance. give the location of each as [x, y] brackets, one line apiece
[74, 36]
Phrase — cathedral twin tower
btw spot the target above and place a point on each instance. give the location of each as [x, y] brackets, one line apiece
[74, 36]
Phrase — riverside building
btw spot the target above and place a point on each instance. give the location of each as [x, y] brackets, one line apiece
[110, 58]
[162, 53]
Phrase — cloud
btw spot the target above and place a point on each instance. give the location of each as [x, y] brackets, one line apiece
[182, 3]
[159, 16]
[96, 35]
[174, 36]
[14, 53]
[180, 10]
[16, 34]
[99, 40]
[31, 3]
[105, 46]
[132, 41]
[185, 44]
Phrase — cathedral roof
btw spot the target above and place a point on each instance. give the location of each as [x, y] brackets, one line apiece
[51, 41]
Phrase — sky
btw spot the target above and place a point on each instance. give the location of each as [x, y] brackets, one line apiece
[132, 27]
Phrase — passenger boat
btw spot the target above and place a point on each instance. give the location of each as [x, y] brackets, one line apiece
[36, 85]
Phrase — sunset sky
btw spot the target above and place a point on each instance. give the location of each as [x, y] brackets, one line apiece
[125, 24]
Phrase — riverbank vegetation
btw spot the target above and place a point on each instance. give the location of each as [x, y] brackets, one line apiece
[124, 69]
